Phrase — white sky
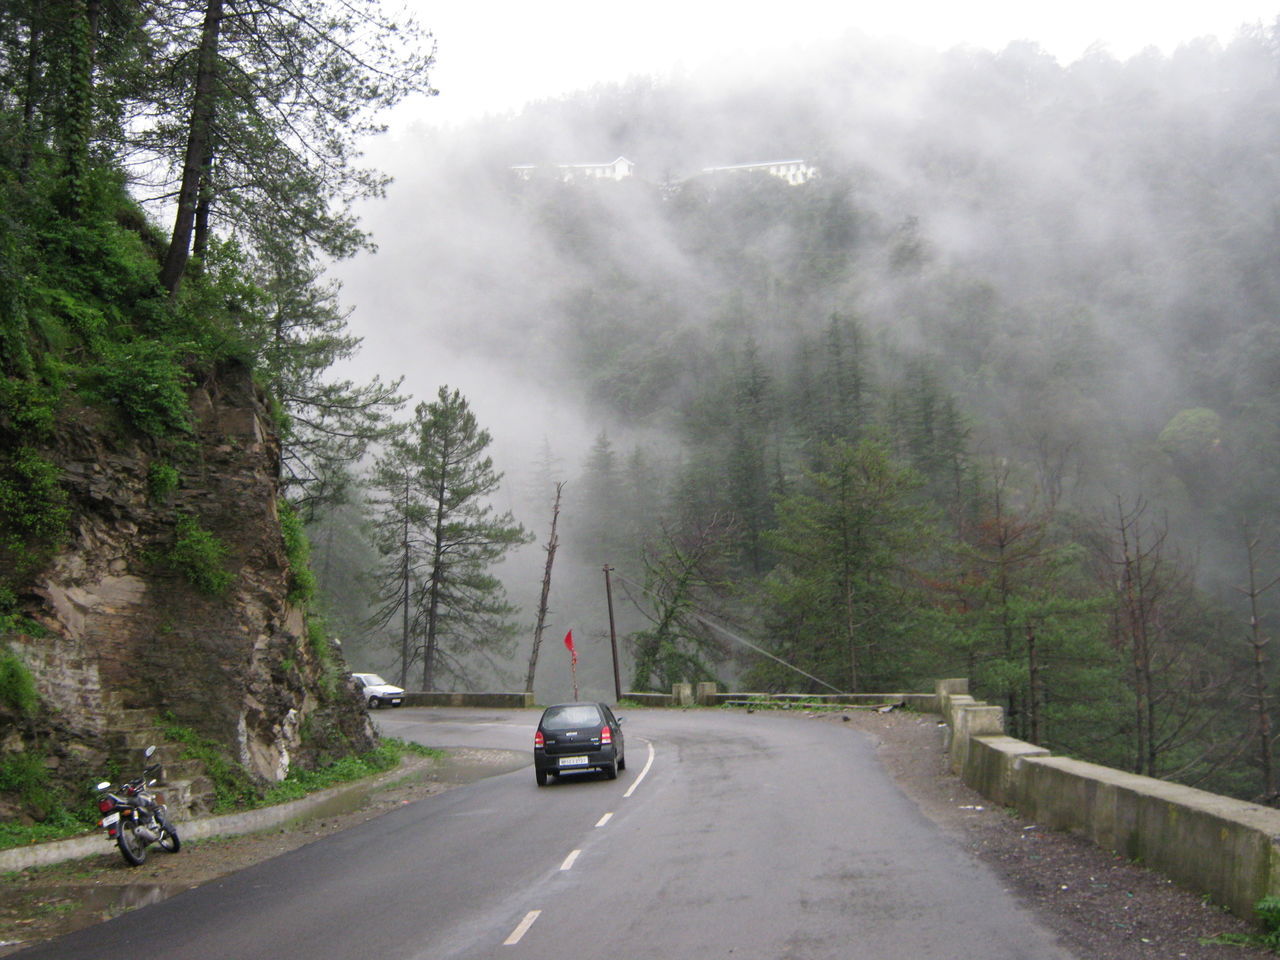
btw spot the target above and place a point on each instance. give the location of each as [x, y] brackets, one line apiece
[496, 55]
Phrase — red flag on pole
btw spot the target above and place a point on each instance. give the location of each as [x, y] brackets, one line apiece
[573, 664]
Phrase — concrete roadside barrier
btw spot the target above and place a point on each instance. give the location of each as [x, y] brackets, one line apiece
[1225, 848]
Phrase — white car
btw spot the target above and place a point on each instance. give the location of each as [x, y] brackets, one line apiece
[377, 691]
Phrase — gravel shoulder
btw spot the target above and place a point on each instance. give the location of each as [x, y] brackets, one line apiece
[1099, 905]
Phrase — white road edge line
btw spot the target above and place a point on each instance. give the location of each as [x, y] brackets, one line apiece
[521, 928]
[568, 861]
[643, 773]
[605, 819]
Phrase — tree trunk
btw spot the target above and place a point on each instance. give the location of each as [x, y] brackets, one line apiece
[1261, 696]
[1033, 682]
[77, 120]
[200, 241]
[405, 595]
[552, 543]
[199, 140]
[437, 572]
[30, 96]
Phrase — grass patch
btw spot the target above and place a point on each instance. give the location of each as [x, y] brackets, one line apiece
[386, 756]
[18, 835]
[1268, 912]
[25, 776]
[233, 788]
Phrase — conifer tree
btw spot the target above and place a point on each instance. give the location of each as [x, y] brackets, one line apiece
[847, 539]
[440, 538]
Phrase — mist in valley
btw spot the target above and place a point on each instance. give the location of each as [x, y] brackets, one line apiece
[1075, 260]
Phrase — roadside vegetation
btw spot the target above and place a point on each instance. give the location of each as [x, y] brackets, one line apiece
[234, 790]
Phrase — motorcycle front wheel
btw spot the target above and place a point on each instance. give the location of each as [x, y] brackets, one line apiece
[168, 836]
[131, 847]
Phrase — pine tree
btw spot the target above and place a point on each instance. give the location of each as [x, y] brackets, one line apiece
[254, 110]
[441, 538]
[840, 597]
[399, 512]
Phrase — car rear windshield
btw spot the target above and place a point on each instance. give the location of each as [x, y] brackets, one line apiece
[566, 718]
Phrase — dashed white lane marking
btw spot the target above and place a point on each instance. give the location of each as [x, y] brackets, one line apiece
[521, 928]
[643, 773]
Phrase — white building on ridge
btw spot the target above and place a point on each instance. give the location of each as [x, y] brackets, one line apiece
[619, 169]
[794, 172]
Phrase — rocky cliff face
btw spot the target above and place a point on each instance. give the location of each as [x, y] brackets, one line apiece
[124, 631]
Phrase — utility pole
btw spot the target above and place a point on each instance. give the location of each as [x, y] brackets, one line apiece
[613, 635]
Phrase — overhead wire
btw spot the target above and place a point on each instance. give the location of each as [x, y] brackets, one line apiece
[706, 621]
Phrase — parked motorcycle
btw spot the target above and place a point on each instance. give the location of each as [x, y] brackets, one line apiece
[135, 817]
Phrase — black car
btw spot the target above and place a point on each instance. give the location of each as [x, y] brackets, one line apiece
[578, 736]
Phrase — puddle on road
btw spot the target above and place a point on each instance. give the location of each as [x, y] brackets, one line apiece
[73, 907]
[468, 764]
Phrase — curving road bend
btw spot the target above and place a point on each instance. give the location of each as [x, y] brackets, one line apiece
[761, 836]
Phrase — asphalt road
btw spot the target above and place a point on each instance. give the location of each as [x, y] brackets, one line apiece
[761, 836]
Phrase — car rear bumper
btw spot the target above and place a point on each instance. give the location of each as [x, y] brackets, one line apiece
[595, 759]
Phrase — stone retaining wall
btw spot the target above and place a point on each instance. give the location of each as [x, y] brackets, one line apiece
[1227, 849]
[509, 700]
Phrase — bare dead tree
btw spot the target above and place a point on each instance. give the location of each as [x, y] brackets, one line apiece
[550, 548]
[1008, 549]
[1260, 666]
[1153, 625]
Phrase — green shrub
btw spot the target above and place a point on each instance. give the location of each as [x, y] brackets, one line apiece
[23, 775]
[1268, 911]
[26, 409]
[33, 504]
[302, 581]
[318, 638]
[162, 481]
[145, 380]
[233, 788]
[17, 686]
[200, 557]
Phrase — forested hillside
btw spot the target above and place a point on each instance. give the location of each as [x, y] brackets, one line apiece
[995, 394]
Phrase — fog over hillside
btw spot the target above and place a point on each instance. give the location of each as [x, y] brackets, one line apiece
[1076, 252]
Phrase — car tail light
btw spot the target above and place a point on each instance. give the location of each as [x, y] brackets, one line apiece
[105, 805]
[606, 735]
[538, 740]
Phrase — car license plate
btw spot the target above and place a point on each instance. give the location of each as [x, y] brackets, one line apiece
[110, 819]
[573, 761]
